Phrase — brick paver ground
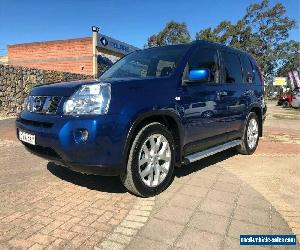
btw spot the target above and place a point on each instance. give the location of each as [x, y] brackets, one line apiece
[208, 208]
[213, 201]
[43, 205]
[209, 204]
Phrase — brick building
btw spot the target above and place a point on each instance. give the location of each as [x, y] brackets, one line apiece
[86, 55]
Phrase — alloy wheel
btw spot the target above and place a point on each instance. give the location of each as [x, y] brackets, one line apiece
[154, 160]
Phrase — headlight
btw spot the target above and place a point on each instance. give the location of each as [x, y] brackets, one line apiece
[89, 100]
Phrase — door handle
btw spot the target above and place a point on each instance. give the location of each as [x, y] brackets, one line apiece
[222, 93]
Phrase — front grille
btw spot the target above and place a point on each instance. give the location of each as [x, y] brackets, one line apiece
[43, 104]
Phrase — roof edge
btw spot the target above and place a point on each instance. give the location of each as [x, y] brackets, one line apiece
[52, 41]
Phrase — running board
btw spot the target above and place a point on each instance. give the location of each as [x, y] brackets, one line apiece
[211, 151]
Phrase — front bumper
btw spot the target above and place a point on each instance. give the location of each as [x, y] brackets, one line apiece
[56, 141]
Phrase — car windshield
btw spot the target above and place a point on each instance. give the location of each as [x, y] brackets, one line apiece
[154, 62]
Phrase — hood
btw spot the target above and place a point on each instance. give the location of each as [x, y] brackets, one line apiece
[119, 85]
[59, 89]
[68, 88]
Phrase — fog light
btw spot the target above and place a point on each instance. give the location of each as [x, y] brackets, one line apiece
[81, 135]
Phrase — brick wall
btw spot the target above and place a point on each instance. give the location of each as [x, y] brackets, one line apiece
[73, 55]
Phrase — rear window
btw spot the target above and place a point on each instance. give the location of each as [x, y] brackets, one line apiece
[232, 68]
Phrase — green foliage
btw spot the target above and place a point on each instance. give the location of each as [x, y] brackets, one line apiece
[263, 32]
[290, 58]
[173, 33]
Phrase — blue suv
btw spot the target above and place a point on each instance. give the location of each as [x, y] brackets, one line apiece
[153, 110]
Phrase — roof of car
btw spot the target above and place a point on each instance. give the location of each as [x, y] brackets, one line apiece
[203, 42]
[220, 45]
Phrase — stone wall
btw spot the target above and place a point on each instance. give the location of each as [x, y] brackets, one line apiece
[16, 83]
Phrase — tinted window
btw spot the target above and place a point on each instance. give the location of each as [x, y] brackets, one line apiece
[164, 67]
[153, 62]
[247, 69]
[256, 72]
[232, 68]
[199, 105]
[205, 58]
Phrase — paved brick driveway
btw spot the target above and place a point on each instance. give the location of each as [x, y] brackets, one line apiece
[208, 207]
[43, 204]
[210, 203]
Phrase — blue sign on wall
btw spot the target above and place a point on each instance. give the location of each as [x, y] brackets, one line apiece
[115, 45]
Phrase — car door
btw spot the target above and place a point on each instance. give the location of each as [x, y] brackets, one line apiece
[203, 115]
[249, 93]
[233, 99]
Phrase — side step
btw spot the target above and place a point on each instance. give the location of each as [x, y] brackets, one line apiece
[211, 151]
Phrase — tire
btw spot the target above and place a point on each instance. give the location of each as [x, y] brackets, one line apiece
[285, 104]
[248, 147]
[135, 178]
[208, 114]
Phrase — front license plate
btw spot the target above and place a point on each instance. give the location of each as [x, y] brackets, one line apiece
[26, 137]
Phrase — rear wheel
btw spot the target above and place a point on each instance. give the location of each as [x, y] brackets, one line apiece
[250, 136]
[150, 163]
[285, 104]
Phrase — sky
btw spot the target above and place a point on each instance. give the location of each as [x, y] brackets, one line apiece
[131, 21]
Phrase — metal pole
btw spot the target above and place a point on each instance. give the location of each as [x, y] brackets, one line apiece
[95, 43]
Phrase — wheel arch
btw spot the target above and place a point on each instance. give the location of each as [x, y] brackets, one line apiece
[168, 118]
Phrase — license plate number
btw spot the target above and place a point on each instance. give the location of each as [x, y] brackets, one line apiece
[26, 137]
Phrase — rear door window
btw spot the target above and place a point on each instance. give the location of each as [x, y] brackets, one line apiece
[257, 77]
[247, 69]
[232, 70]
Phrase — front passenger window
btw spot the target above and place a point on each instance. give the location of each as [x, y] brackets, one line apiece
[206, 58]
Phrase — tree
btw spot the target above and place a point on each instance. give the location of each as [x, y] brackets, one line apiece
[152, 41]
[290, 58]
[173, 33]
[263, 32]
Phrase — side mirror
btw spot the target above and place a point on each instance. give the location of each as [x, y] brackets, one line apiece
[199, 75]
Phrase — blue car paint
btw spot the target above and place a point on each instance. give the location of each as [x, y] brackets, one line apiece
[107, 133]
[131, 101]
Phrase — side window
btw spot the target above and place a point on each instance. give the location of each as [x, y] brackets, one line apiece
[256, 73]
[206, 58]
[232, 68]
[198, 105]
[135, 68]
[164, 68]
[247, 69]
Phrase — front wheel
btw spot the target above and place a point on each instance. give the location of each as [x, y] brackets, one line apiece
[150, 163]
[250, 135]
